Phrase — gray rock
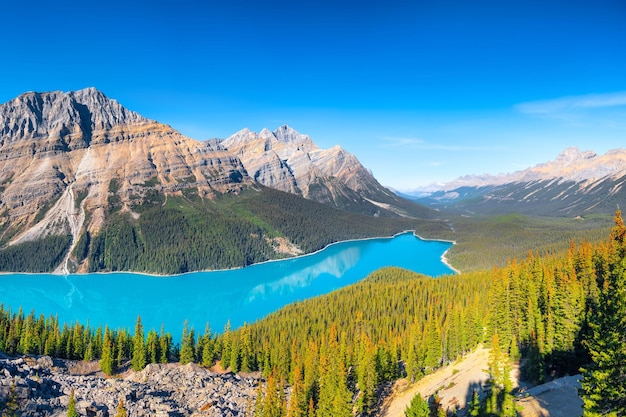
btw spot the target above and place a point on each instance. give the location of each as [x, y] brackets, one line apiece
[159, 390]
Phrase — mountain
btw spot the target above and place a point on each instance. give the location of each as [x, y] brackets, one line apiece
[63, 155]
[576, 183]
[87, 185]
[290, 161]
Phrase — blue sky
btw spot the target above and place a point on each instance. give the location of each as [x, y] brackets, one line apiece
[420, 91]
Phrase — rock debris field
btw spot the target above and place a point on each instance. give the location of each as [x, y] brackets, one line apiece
[43, 386]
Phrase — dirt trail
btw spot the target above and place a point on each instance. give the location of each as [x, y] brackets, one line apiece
[558, 398]
[454, 383]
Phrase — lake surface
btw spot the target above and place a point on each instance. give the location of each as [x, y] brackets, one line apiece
[241, 295]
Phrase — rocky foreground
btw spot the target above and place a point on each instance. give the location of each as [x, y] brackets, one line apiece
[43, 386]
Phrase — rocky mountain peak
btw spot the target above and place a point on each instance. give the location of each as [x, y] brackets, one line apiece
[287, 134]
[34, 115]
[290, 161]
[573, 154]
[105, 112]
[57, 146]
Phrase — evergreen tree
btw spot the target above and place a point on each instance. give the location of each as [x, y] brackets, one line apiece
[272, 403]
[367, 377]
[208, 357]
[604, 382]
[235, 356]
[417, 408]
[187, 350]
[107, 361]
[436, 409]
[139, 347]
[71, 406]
[11, 406]
[152, 347]
[165, 344]
[298, 402]
[500, 402]
[226, 345]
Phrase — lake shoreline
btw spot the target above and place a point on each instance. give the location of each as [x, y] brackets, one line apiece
[241, 295]
[444, 260]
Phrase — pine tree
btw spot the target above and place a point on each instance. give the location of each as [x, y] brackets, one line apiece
[436, 409]
[139, 347]
[71, 406]
[500, 402]
[152, 347]
[187, 348]
[107, 361]
[208, 355]
[604, 382]
[11, 405]
[298, 401]
[367, 377]
[272, 403]
[226, 344]
[165, 343]
[417, 408]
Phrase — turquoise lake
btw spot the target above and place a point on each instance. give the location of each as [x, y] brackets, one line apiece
[241, 295]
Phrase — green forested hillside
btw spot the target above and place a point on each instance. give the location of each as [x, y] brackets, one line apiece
[486, 241]
[38, 256]
[188, 233]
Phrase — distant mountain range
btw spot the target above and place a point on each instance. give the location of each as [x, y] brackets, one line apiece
[72, 162]
[576, 183]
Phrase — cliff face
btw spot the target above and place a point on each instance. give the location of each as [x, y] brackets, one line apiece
[290, 161]
[66, 154]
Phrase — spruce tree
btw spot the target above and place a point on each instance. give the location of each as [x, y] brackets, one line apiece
[418, 407]
[272, 402]
[107, 361]
[139, 347]
[12, 405]
[207, 348]
[152, 347]
[604, 381]
[187, 348]
[165, 343]
[298, 401]
[71, 406]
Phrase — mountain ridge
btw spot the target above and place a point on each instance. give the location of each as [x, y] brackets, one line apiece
[571, 164]
[575, 183]
[290, 161]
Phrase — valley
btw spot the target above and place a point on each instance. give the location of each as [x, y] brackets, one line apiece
[89, 187]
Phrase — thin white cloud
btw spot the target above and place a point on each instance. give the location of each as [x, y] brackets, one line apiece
[572, 103]
[419, 144]
[403, 142]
